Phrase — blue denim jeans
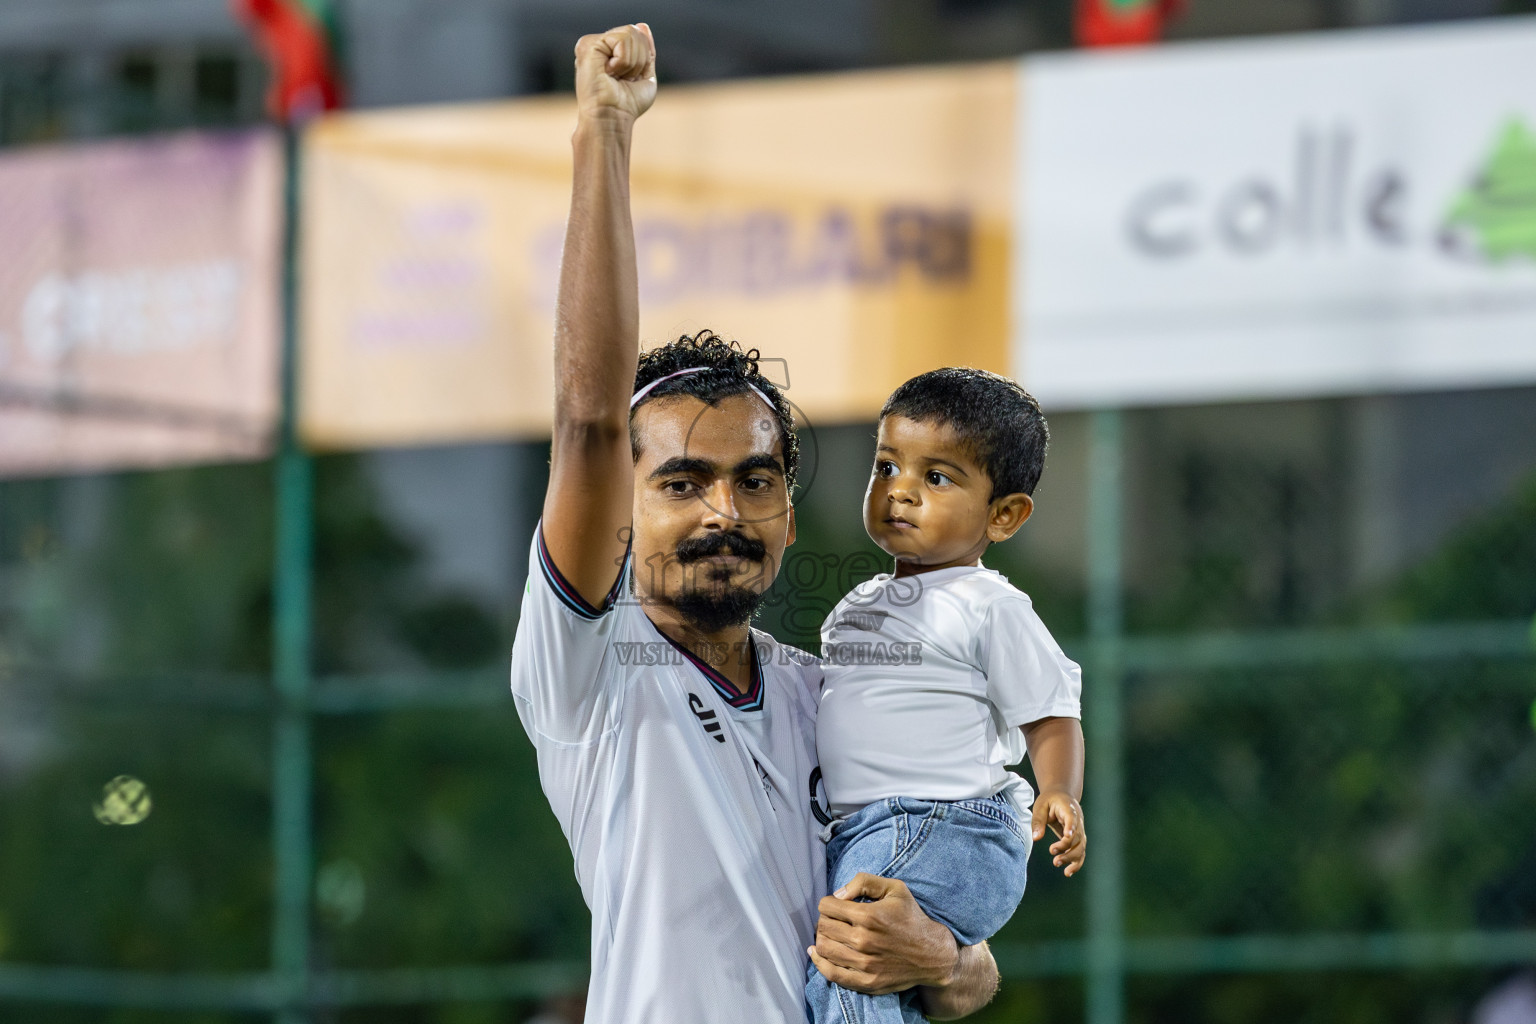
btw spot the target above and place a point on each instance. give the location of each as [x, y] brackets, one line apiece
[964, 861]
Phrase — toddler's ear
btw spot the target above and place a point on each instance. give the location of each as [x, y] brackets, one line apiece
[1007, 514]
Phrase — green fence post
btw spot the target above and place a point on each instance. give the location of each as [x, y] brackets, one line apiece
[1102, 699]
[291, 766]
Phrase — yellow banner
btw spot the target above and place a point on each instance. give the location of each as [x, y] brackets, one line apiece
[854, 228]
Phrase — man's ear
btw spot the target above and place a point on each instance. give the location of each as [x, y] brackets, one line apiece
[790, 538]
[1007, 514]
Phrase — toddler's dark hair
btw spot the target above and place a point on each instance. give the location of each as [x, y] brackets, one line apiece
[999, 423]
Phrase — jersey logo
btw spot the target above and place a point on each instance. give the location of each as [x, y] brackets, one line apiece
[865, 620]
[762, 774]
[706, 717]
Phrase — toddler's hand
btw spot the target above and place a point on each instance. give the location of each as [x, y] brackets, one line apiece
[1064, 815]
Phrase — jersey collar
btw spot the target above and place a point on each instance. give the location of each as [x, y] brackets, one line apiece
[752, 700]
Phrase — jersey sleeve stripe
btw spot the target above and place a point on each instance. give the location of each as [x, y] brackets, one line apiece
[568, 594]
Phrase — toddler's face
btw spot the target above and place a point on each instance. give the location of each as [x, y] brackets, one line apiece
[928, 503]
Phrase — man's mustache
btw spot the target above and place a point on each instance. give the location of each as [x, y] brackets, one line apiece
[728, 543]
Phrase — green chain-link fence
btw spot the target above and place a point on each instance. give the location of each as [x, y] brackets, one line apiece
[1299, 809]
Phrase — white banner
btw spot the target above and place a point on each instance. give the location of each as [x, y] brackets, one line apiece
[1328, 214]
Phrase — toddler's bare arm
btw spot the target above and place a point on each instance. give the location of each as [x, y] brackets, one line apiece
[1056, 753]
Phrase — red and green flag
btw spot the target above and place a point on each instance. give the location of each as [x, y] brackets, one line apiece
[1122, 22]
[300, 41]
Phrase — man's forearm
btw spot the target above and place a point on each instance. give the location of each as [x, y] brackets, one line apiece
[974, 984]
[597, 309]
[597, 318]
[597, 313]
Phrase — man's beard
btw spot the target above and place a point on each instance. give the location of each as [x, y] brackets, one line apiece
[710, 610]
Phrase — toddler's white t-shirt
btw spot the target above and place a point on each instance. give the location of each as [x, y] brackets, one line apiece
[928, 679]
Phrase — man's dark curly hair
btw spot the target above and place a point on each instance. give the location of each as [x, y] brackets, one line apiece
[999, 423]
[730, 371]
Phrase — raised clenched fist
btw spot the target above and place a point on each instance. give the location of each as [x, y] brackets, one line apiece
[616, 73]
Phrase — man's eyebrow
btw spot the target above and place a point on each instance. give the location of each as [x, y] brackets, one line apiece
[683, 464]
[762, 460]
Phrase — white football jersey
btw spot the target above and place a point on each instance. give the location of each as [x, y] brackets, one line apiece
[687, 806]
[928, 679]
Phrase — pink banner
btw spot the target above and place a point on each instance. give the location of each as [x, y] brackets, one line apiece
[139, 303]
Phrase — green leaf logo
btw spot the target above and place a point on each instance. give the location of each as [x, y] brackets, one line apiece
[1495, 218]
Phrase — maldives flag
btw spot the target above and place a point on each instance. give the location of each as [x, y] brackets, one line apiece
[298, 38]
[1122, 22]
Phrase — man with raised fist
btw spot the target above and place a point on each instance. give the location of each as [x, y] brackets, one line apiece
[676, 744]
